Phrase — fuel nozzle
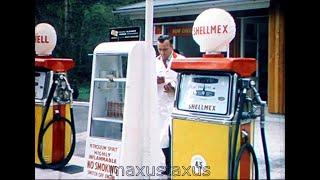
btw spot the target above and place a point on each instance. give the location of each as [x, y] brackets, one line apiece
[259, 101]
[63, 92]
[244, 83]
[256, 93]
[248, 109]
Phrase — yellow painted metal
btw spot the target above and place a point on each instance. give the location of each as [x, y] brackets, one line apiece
[211, 141]
[67, 143]
[47, 139]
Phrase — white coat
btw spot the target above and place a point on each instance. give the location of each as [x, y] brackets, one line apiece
[166, 99]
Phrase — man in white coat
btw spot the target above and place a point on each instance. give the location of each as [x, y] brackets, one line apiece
[166, 80]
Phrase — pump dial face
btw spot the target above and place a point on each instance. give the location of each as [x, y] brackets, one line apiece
[204, 86]
[204, 93]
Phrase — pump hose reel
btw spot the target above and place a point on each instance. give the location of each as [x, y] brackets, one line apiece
[57, 117]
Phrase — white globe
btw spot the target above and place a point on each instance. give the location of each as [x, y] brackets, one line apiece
[45, 39]
[213, 30]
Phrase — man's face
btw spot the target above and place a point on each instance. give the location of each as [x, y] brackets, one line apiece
[165, 49]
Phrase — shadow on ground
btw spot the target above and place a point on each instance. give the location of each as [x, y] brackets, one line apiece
[72, 169]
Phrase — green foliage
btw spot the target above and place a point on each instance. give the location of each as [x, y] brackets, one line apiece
[81, 25]
[84, 92]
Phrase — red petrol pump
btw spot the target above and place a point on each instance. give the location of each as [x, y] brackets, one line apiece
[214, 111]
[54, 123]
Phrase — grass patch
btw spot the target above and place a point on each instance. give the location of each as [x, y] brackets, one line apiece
[84, 92]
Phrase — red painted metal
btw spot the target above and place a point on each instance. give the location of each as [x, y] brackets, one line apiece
[245, 67]
[55, 64]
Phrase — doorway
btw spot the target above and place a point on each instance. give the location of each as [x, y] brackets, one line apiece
[254, 44]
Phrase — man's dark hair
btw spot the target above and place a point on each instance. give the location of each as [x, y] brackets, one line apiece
[164, 37]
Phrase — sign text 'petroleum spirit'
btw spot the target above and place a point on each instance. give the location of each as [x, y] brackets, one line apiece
[102, 158]
[216, 29]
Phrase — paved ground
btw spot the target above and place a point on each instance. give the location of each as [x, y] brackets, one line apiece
[275, 134]
[275, 137]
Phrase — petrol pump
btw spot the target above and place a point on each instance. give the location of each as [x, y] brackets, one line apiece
[54, 123]
[215, 107]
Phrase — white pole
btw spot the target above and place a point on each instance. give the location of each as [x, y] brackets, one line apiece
[149, 22]
[140, 146]
[151, 131]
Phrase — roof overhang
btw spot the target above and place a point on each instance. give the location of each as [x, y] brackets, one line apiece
[137, 11]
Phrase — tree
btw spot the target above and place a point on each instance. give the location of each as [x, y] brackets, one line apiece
[81, 25]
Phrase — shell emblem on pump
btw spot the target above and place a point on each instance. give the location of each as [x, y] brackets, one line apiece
[198, 164]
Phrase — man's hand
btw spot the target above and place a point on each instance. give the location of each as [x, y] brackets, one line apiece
[160, 80]
[168, 88]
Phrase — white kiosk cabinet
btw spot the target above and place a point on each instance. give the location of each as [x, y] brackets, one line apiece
[105, 117]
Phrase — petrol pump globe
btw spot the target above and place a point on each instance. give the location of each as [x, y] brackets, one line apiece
[213, 30]
[45, 39]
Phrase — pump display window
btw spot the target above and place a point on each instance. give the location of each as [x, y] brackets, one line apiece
[205, 93]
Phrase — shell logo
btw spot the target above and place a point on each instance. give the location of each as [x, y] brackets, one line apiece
[45, 39]
[213, 30]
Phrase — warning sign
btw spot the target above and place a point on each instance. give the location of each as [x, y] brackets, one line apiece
[102, 158]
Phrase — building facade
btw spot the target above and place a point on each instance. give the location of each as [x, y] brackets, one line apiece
[260, 26]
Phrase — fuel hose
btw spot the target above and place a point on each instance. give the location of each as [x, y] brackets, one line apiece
[235, 136]
[246, 146]
[263, 136]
